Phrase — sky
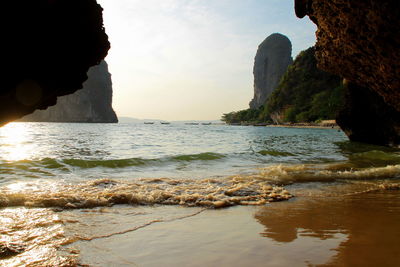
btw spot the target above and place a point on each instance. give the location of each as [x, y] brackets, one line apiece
[192, 59]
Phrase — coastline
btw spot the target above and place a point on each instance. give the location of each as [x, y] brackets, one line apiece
[327, 124]
[307, 126]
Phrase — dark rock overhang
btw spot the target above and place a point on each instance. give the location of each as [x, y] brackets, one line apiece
[47, 48]
[359, 40]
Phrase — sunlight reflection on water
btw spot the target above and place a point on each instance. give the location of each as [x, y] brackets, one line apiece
[16, 142]
[96, 160]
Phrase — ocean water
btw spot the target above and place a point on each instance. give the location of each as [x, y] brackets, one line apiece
[77, 152]
[64, 187]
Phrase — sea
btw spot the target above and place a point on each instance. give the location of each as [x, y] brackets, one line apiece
[135, 194]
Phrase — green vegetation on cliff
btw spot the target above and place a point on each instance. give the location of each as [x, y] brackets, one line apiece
[246, 115]
[304, 94]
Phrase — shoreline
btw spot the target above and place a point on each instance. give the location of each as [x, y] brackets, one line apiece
[335, 127]
[280, 233]
[295, 125]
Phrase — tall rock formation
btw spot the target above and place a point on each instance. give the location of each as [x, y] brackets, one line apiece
[93, 103]
[273, 57]
[305, 93]
[46, 49]
[359, 40]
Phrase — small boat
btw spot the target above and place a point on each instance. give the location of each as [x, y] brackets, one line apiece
[192, 123]
[206, 123]
[148, 122]
[165, 122]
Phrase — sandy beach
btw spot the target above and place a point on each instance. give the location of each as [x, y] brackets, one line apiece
[307, 231]
[169, 203]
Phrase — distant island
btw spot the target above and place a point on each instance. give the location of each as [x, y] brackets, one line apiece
[93, 103]
[304, 94]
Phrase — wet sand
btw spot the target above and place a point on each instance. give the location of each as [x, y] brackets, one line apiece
[335, 224]
[344, 230]
[364, 226]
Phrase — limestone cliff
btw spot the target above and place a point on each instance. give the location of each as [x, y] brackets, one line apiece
[359, 40]
[305, 93]
[47, 48]
[273, 57]
[93, 103]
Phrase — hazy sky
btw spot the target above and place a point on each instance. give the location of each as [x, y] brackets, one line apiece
[192, 59]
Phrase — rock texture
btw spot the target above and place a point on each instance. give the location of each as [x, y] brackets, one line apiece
[359, 40]
[273, 57]
[367, 118]
[47, 48]
[91, 104]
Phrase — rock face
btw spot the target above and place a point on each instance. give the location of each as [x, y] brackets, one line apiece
[93, 103]
[273, 57]
[367, 118]
[47, 48]
[305, 93]
[359, 40]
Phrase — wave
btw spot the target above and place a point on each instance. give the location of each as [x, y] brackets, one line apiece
[364, 159]
[49, 163]
[113, 163]
[288, 174]
[214, 193]
[374, 158]
[201, 156]
[255, 189]
[275, 153]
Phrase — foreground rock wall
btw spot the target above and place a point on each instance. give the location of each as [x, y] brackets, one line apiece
[359, 40]
[47, 48]
[366, 117]
[91, 104]
[273, 57]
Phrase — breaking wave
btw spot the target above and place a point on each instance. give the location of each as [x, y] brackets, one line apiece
[256, 189]
[105, 192]
[288, 174]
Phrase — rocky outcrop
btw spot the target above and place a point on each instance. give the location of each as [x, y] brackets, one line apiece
[359, 40]
[47, 48]
[366, 117]
[305, 93]
[91, 104]
[273, 57]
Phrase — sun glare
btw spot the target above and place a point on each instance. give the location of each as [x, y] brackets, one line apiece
[15, 141]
